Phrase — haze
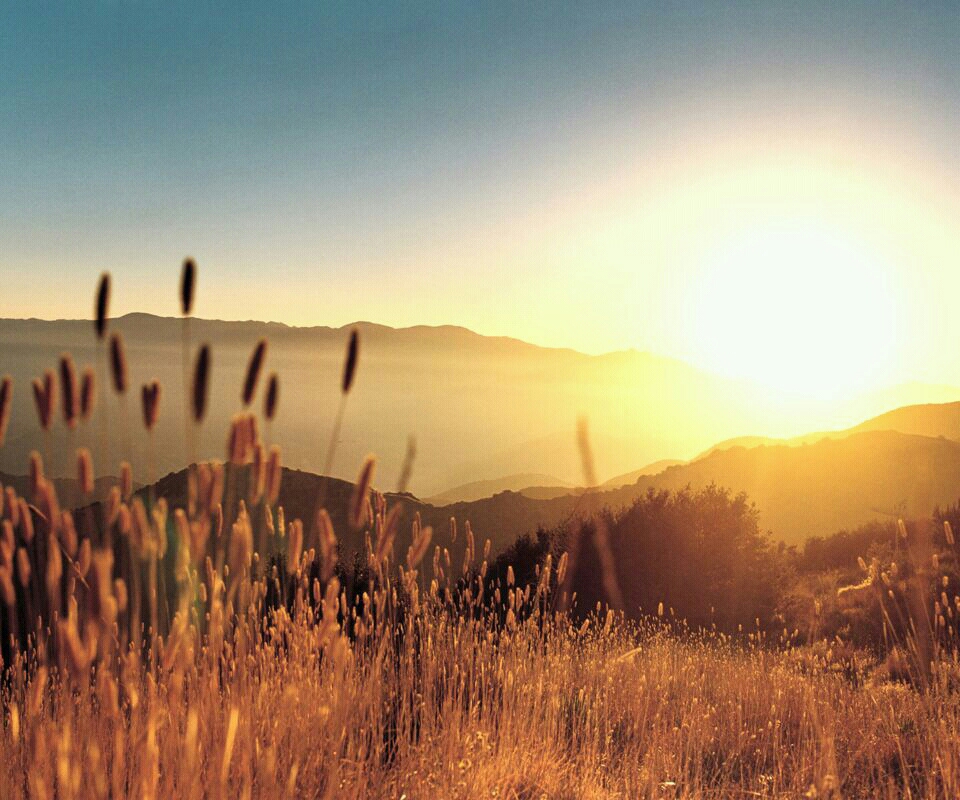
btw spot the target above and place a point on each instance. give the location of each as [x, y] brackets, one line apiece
[761, 191]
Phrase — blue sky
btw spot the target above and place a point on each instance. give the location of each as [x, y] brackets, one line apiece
[437, 163]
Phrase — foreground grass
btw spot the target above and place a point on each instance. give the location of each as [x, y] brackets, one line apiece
[454, 708]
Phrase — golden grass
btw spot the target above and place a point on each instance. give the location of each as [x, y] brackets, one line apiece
[457, 708]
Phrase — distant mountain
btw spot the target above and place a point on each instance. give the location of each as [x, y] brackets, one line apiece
[818, 489]
[631, 477]
[742, 441]
[550, 492]
[540, 487]
[931, 419]
[900, 463]
[478, 406]
[481, 489]
[926, 419]
[800, 491]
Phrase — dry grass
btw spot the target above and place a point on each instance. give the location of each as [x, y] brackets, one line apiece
[262, 679]
[457, 708]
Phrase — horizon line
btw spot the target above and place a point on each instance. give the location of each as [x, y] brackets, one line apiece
[369, 324]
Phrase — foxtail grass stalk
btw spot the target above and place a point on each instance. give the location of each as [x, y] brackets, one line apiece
[349, 373]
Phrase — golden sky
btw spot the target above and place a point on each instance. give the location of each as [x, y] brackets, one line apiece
[765, 191]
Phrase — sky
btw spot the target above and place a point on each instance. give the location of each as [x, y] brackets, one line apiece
[763, 189]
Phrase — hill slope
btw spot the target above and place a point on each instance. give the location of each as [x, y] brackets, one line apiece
[929, 419]
[800, 491]
[480, 489]
[501, 519]
[817, 489]
[632, 477]
[924, 419]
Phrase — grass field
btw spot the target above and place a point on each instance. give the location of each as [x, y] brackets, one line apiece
[453, 707]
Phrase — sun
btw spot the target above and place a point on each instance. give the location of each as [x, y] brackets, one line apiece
[799, 307]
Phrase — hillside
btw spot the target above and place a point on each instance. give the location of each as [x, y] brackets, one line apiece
[480, 489]
[631, 477]
[501, 518]
[925, 419]
[817, 489]
[800, 491]
[929, 419]
[803, 490]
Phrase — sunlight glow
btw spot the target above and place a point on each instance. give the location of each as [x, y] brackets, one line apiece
[799, 307]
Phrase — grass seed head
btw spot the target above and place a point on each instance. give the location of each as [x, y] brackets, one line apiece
[85, 475]
[328, 544]
[406, 470]
[272, 397]
[49, 503]
[253, 371]
[188, 279]
[126, 481]
[54, 570]
[274, 475]
[418, 549]
[201, 380]
[361, 489]
[11, 506]
[118, 364]
[350, 363]
[26, 520]
[6, 396]
[88, 393]
[83, 558]
[258, 474]
[68, 534]
[111, 506]
[151, 404]
[44, 396]
[23, 567]
[239, 444]
[69, 393]
[294, 546]
[7, 591]
[36, 473]
[101, 306]
[241, 545]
